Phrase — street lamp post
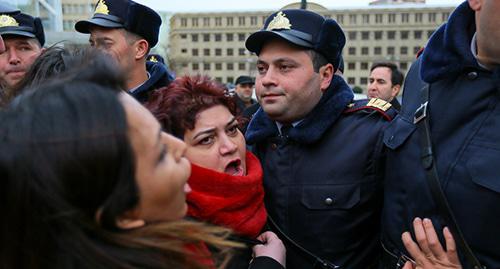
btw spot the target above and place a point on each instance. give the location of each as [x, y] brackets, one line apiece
[303, 4]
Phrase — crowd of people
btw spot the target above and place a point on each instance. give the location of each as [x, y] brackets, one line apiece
[108, 161]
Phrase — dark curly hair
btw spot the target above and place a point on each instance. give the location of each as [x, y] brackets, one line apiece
[177, 105]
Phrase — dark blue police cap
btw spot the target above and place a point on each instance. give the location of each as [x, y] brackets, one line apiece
[126, 14]
[22, 25]
[302, 28]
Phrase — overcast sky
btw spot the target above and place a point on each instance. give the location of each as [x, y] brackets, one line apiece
[255, 5]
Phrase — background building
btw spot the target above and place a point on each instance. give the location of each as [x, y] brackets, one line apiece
[213, 43]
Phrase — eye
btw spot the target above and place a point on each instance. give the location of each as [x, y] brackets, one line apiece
[206, 140]
[261, 69]
[232, 130]
[163, 154]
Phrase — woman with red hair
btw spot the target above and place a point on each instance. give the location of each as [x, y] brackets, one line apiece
[226, 179]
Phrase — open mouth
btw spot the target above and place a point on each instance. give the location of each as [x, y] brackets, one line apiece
[234, 168]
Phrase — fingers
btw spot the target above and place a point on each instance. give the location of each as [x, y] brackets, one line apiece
[412, 247]
[451, 247]
[433, 240]
[421, 237]
[408, 265]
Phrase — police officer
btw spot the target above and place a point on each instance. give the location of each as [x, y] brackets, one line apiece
[385, 82]
[243, 92]
[456, 83]
[127, 31]
[321, 153]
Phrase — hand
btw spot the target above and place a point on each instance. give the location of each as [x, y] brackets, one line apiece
[429, 254]
[272, 247]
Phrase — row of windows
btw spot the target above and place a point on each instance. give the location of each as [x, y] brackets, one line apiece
[389, 35]
[406, 17]
[228, 21]
[217, 37]
[77, 9]
[364, 80]
[378, 50]
[219, 66]
[216, 52]
[69, 25]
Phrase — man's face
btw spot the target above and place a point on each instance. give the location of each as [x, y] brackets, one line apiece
[114, 43]
[488, 31]
[286, 84]
[19, 54]
[380, 85]
[244, 91]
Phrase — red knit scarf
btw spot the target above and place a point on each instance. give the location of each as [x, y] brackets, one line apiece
[236, 202]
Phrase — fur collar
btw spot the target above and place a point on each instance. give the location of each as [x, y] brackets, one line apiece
[325, 113]
[448, 52]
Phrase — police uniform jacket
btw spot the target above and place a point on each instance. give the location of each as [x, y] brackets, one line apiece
[322, 181]
[159, 77]
[464, 121]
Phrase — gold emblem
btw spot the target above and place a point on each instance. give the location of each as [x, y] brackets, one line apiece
[6, 20]
[153, 59]
[101, 8]
[280, 21]
[351, 105]
[379, 103]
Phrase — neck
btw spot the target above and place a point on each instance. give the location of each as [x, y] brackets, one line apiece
[136, 77]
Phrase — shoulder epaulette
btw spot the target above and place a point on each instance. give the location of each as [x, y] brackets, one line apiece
[419, 52]
[374, 104]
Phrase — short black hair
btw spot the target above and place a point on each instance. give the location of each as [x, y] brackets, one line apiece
[397, 76]
[318, 60]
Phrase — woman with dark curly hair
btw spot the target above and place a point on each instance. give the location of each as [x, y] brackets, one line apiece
[226, 179]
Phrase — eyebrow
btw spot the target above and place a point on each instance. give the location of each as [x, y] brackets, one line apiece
[278, 61]
[210, 130]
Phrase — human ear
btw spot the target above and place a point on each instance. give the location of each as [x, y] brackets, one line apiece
[395, 90]
[141, 49]
[129, 223]
[326, 73]
[475, 4]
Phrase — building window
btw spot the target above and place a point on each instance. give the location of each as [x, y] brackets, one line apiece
[206, 37]
[352, 51]
[364, 51]
[379, 18]
[229, 21]
[229, 66]
[378, 35]
[366, 18]
[206, 21]
[391, 35]
[352, 35]
[377, 50]
[390, 50]
[364, 66]
[218, 79]
[229, 37]
[365, 35]
[429, 33]
[432, 17]
[416, 49]
[340, 18]
[405, 17]
[253, 20]
[194, 52]
[184, 50]
[351, 66]
[230, 79]
[183, 36]
[418, 17]
[403, 50]
[194, 22]
[444, 16]
[241, 21]
[229, 52]
[404, 34]
[218, 21]
[417, 34]
[264, 20]
[184, 22]
[403, 65]
[206, 66]
[363, 81]
[218, 66]
[392, 17]
[218, 52]
[194, 37]
[241, 66]
[351, 80]
[352, 18]
[195, 66]
[241, 37]
[206, 52]
[218, 37]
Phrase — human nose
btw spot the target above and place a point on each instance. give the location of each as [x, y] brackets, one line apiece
[175, 146]
[13, 58]
[227, 145]
[268, 78]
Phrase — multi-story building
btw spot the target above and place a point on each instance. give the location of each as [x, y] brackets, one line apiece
[213, 43]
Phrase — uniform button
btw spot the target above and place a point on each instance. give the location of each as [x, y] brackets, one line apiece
[328, 201]
[274, 146]
[472, 75]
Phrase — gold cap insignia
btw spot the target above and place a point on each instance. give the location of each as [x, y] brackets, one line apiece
[6, 20]
[101, 8]
[280, 21]
[153, 59]
[379, 103]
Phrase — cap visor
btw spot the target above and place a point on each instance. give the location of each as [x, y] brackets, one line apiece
[256, 40]
[84, 26]
[18, 33]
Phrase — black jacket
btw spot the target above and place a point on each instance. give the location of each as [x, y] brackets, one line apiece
[160, 77]
[323, 183]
